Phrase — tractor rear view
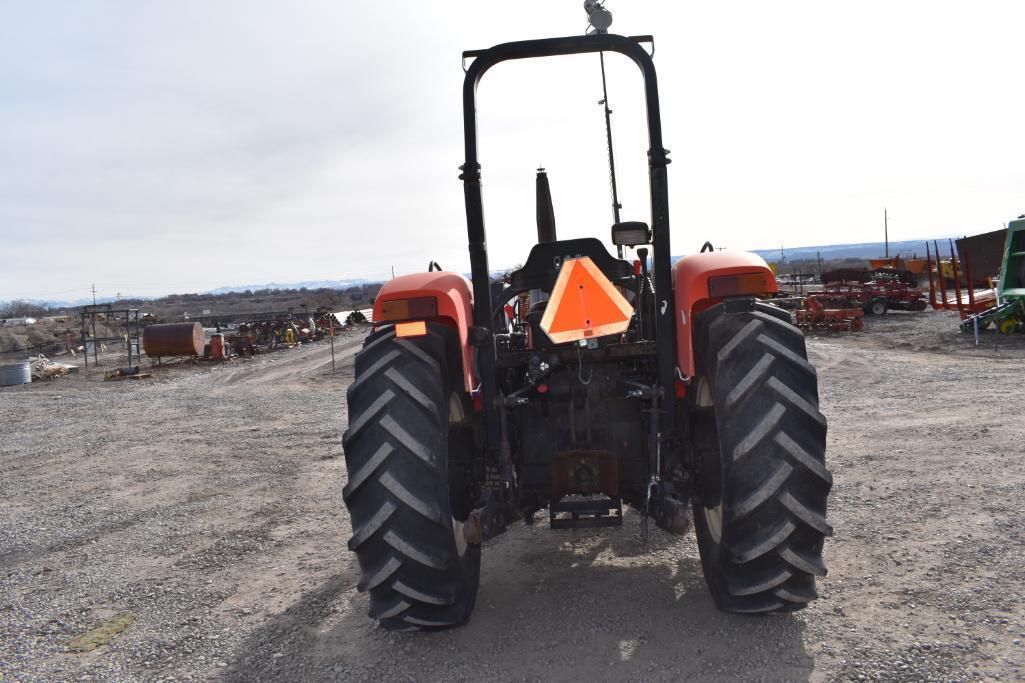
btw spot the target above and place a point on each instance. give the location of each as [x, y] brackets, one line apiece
[579, 383]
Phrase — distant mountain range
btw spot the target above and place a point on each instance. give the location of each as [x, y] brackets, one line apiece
[826, 251]
[308, 284]
[834, 251]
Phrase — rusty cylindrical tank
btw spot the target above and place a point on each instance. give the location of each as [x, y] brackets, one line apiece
[173, 339]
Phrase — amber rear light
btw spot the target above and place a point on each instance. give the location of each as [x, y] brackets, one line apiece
[407, 309]
[417, 328]
[736, 285]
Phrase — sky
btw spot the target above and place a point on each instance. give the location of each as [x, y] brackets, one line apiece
[152, 147]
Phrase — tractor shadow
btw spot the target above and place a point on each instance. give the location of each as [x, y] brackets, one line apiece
[552, 606]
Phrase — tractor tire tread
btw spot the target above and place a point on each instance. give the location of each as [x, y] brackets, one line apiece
[404, 535]
[772, 437]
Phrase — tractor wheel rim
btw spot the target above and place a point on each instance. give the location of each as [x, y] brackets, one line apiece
[456, 414]
[713, 520]
[703, 397]
[713, 516]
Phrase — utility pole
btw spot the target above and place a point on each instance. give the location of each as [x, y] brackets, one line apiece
[393, 272]
[331, 331]
[96, 350]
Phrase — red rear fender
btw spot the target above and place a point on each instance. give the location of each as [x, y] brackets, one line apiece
[694, 293]
[455, 306]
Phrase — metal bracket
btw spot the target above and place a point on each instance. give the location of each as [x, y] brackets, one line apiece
[585, 513]
[488, 520]
[645, 39]
[744, 304]
[472, 174]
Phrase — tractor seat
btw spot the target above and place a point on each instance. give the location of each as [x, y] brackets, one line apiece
[545, 259]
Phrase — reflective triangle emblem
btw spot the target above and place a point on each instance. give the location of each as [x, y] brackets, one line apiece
[584, 303]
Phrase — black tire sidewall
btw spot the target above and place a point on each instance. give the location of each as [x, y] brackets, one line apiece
[733, 581]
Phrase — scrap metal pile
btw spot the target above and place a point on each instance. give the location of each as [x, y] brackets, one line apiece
[44, 368]
[238, 335]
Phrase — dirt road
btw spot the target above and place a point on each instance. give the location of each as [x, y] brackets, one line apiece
[198, 516]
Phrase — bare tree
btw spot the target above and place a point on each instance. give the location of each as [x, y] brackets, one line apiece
[19, 308]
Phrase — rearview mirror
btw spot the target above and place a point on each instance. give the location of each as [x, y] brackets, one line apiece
[630, 233]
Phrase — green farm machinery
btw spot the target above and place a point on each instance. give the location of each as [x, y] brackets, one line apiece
[1008, 316]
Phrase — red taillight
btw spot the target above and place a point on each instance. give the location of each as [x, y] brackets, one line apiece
[736, 285]
[407, 309]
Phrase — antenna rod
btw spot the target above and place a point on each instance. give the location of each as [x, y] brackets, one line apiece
[616, 206]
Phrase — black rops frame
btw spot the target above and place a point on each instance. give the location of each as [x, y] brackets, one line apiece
[471, 175]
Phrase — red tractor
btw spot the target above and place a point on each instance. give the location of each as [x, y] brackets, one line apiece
[578, 383]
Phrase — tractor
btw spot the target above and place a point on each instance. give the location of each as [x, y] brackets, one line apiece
[575, 384]
[1007, 314]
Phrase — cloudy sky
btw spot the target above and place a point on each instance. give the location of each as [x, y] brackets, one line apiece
[154, 147]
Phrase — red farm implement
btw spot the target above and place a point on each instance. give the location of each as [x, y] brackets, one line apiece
[950, 271]
[885, 291]
[817, 318]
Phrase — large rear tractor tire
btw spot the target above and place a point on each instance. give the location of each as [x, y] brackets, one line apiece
[407, 451]
[760, 441]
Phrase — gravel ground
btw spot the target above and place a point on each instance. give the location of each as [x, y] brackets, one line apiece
[197, 517]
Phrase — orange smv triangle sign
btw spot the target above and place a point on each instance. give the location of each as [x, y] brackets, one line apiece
[584, 304]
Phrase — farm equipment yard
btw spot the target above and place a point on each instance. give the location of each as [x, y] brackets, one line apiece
[191, 527]
[698, 425]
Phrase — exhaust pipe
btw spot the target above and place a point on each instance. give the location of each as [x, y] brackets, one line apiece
[545, 211]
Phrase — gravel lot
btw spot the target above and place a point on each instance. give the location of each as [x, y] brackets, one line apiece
[197, 516]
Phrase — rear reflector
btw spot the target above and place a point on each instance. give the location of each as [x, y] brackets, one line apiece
[735, 285]
[681, 389]
[405, 309]
[584, 303]
[417, 328]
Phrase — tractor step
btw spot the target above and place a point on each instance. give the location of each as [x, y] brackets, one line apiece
[582, 513]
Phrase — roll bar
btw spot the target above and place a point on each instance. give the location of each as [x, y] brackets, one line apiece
[658, 159]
